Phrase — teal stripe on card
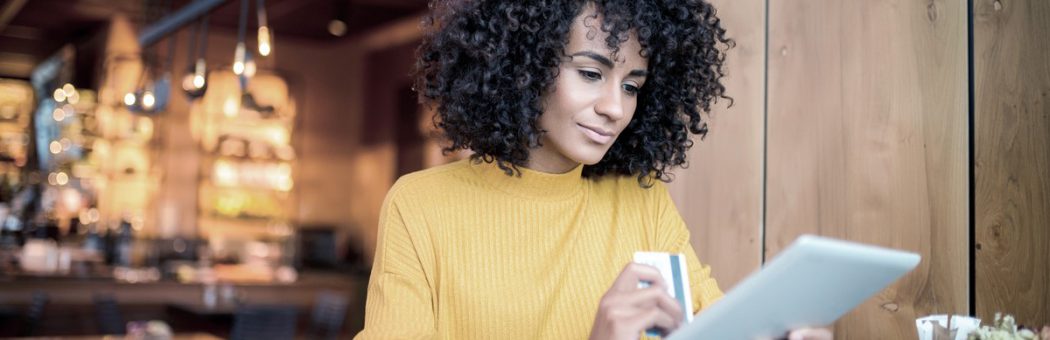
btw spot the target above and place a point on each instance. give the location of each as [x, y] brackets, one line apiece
[679, 290]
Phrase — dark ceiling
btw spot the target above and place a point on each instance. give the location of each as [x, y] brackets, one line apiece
[31, 31]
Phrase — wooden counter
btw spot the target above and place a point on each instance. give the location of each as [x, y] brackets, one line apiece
[70, 310]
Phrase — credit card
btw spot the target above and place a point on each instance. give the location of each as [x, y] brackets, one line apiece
[675, 273]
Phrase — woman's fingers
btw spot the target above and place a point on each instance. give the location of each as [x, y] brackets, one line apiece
[657, 318]
[810, 334]
[634, 273]
[653, 297]
[626, 310]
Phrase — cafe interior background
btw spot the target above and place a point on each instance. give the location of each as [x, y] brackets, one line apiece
[175, 160]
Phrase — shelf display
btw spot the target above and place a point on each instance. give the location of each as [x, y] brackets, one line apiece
[58, 120]
[246, 186]
[16, 106]
[123, 150]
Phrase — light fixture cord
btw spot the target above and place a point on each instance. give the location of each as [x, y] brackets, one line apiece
[260, 11]
[191, 53]
[202, 43]
[241, 26]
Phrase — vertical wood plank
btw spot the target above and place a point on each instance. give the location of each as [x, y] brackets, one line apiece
[867, 141]
[720, 194]
[1012, 159]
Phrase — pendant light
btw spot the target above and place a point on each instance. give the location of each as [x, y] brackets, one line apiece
[337, 26]
[195, 81]
[239, 54]
[152, 93]
[265, 34]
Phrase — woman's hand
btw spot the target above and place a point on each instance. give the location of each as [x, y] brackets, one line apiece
[626, 310]
[810, 334]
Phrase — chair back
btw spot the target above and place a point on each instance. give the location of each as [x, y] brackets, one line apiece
[329, 312]
[34, 314]
[264, 322]
[107, 315]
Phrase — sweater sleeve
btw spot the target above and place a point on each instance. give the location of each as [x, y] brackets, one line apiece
[399, 303]
[673, 235]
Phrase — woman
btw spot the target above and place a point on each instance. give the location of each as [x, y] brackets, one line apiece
[575, 111]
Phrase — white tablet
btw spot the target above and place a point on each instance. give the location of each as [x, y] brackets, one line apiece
[812, 283]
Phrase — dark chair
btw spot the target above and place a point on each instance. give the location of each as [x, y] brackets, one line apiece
[317, 248]
[8, 312]
[264, 322]
[9, 315]
[107, 315]
[33, 315]
[326, 322]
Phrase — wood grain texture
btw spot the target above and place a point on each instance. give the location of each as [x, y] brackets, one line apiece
[1012, 159]
[867, 141]
[720, 194]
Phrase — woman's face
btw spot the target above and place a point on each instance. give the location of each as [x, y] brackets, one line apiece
[592, 100]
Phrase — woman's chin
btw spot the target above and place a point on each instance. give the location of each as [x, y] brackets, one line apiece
[589, 158]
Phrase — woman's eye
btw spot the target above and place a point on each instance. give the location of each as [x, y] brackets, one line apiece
[590, 75]
[630, 89]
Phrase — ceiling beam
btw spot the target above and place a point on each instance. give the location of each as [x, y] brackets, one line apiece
[174, 21]
[393, 4]
[11, 8]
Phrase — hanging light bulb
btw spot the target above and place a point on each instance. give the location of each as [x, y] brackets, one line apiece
[198, 81]
[337, 26]
[238, 59]
[195, 81]
[148, 100]
[265, 37]
[264, 41]
[238, 54]
[199, 73]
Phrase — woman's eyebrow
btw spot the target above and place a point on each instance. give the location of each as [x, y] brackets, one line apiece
[597, 57]
[607, 62]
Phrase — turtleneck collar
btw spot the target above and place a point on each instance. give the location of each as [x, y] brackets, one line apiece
[532, 184]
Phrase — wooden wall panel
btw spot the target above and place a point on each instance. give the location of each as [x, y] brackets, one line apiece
[867, 141]
[720, 194]
[1012, 159]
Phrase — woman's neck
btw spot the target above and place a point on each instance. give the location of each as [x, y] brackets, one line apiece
[551, 163]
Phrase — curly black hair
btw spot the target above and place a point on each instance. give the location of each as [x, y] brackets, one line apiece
[485, 65]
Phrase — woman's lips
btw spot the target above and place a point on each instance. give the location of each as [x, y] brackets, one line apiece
[597, 135]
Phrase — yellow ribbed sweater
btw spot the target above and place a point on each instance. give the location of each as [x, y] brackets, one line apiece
[467, 252]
